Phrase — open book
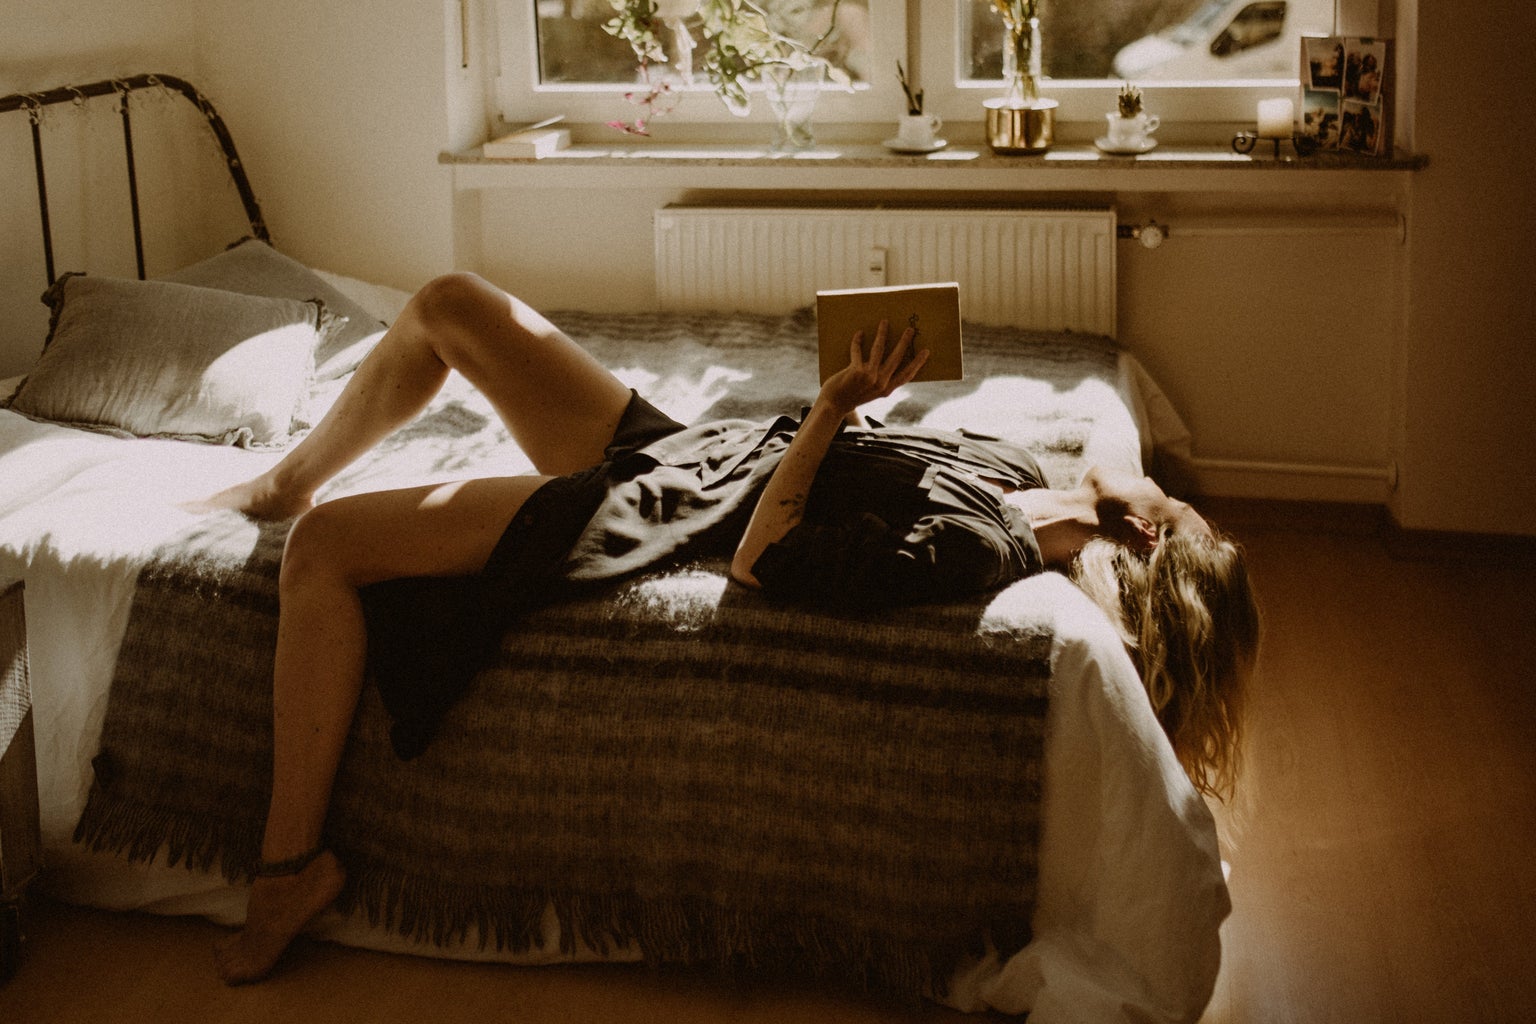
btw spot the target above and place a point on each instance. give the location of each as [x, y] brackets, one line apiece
[934, 309]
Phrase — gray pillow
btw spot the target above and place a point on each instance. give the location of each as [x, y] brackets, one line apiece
[160, 359]
[252, 267]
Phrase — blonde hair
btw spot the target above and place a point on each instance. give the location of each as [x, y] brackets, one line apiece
[1188, 617]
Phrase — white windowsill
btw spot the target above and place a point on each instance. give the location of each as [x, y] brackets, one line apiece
[1168, 168]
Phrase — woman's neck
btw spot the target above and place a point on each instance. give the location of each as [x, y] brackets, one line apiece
[1062, 520]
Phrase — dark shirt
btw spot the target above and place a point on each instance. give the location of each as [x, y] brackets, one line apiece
[895, 515]
[883, 526]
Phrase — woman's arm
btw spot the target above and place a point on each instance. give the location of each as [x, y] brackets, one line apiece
[782, 504]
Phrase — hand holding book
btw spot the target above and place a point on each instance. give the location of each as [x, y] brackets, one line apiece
[874, 373]
[931, 311]
[868, 375]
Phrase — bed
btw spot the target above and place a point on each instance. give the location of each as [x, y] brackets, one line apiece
[970, 803]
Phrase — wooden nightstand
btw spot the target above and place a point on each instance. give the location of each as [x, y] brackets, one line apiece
[20, 838]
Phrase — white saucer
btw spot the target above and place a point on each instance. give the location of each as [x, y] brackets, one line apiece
[897, 146]
[1147, 146]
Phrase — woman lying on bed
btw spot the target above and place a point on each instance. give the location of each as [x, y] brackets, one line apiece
[895, 515]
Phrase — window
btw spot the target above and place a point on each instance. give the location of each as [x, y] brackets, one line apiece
[557, 59]
[1254, 25]
[574, 46]
[1198, 60]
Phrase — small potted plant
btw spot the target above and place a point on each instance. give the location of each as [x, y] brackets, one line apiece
[1129, 100]
[914, 99]
[1130, 126]
[916, 132]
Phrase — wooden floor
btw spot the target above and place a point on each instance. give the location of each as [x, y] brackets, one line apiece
[1382, 864]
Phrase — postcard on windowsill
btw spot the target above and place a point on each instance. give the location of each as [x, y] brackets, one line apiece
[934, 309]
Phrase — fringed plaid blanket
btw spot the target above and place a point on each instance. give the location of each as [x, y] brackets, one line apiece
[672, 764]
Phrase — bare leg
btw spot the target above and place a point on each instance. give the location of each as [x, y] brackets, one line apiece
[559, 403]
[340, 546]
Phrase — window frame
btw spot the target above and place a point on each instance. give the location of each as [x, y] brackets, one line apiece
[877, 104]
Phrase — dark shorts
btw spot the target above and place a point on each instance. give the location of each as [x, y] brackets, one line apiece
[428, 636]
[641, 424]
[545, 528]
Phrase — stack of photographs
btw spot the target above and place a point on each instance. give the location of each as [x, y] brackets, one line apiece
[1346, 93]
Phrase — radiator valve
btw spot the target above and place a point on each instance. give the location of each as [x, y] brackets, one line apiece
[1150, 234]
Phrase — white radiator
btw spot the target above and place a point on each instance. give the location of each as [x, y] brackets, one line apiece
[1042, 269]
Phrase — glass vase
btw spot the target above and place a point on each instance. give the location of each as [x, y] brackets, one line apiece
[792, 93]
[1021, 64]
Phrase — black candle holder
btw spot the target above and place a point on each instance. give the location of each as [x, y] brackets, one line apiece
[1305, 145]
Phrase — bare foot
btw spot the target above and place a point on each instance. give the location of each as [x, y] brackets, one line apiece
[258, 498]
[279, 909]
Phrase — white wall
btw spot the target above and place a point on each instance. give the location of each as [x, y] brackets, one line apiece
[341, 109]
[47, 45]
[1279, 348]
[339, 114]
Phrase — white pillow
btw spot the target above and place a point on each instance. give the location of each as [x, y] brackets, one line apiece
[160, 359]
[382, 302]
[253, 267]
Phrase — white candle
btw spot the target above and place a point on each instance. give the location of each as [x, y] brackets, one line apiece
[1276, 119]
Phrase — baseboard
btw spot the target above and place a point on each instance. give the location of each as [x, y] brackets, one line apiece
[1291, 481]
[1366, 519]
[1492, 549]
[1358, 519]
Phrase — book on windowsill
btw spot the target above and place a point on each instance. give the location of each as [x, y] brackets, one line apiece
[934, 309]
[535, 142]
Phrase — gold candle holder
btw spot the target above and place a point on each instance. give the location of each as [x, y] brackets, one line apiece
[1015, 129]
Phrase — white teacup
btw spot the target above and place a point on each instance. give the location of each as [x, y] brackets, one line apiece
[1130, 132]
[919, 131]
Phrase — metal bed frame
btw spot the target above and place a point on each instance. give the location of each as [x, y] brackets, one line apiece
[34, 103]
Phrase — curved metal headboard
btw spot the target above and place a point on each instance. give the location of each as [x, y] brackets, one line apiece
[34, 103]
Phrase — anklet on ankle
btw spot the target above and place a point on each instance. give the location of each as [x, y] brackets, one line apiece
[285, 868]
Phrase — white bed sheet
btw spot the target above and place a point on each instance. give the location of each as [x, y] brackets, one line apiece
[1131, 894]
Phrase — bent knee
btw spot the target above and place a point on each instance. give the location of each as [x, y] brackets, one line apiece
[452, 298]
[466, 318]
[316, 549]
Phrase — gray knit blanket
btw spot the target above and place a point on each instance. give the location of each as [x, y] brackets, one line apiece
[672, 763]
